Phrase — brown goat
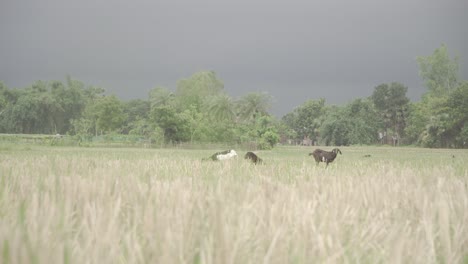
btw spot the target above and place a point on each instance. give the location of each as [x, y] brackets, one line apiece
[325, 156]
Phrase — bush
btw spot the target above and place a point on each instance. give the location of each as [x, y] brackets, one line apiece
[268, 140]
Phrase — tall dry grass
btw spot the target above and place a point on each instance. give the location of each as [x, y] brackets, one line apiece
[164, 206]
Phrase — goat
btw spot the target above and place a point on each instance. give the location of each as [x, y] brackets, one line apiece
[223, 155]
[325, 156]
[252, 157]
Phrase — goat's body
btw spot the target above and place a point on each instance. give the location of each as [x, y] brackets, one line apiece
[223, 155]
[253, 157]
[324, 156]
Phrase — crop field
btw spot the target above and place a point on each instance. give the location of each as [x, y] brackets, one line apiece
[134, 205]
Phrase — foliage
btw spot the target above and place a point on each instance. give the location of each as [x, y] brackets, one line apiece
[356, 123]
[266, 132]
[440, 117]
[201, 111]
[171, 123]
[306, 119]
[195, 90]
[109, 113]
[462, 138]
[447, 119]
[417, 120]
[392, 104]
[221, 108]
[439, 72]
[195, 123]
[254, 105]
[136, 112]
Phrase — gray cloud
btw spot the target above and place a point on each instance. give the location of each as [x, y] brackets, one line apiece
[294, 50]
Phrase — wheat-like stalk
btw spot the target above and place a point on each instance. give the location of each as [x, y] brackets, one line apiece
[167, 206]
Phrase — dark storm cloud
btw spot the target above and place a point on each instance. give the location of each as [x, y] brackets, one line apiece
[294, 50]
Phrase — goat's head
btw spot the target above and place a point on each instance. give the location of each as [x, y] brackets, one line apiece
[336, 151]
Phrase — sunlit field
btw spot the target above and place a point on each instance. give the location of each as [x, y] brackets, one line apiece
[116, 205]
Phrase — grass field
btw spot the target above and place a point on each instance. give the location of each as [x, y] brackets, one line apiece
[123, 205]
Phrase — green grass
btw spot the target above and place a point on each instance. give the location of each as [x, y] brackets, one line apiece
[130, 205]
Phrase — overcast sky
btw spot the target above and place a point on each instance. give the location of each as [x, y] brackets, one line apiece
[294, 50]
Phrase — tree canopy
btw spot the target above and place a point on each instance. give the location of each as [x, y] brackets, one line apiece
[200, 110]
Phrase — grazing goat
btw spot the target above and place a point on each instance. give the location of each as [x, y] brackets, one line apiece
[223, 155]
[325, 156]
[252, 157]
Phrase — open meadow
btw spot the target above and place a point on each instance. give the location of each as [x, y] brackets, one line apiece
[135, 205]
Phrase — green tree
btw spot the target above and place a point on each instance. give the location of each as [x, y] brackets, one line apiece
[137, 112]
[11, 120]
[165, 115]
[197, 88]
[7, 100]
[439, 109]
[355, 123]
[267, 132]
[103, 115]
[365, 122]
[253, 105]
[306, 119]
[336, 127]
[222, 108]
[33, 111]
[195, 123]
[171, 122]
[458, 115]
[84, 121]
[3, 97]
[418, 118]
[391, 102]
[161, 96]
[71, 101]
[110, 114]
[438, 71]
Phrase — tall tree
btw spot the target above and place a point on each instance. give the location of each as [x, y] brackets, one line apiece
[392, 103]
[110, 114]
[222, 108]
[197, 88]
[3, 99]
[307, 119]
[436, 119]
[72, 102]
[336, 127]
[253, 105]
[355, 123]
[34, 111]
[172, 123]
[458, 111]
[195, 123]
[439, 72]
[9, 116]
[165, 115]
[161, 96]
[137, 112]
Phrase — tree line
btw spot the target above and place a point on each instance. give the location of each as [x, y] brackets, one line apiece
[200, 110]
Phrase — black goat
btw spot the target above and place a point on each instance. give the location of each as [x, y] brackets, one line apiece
[252, 157]
[325, 156]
